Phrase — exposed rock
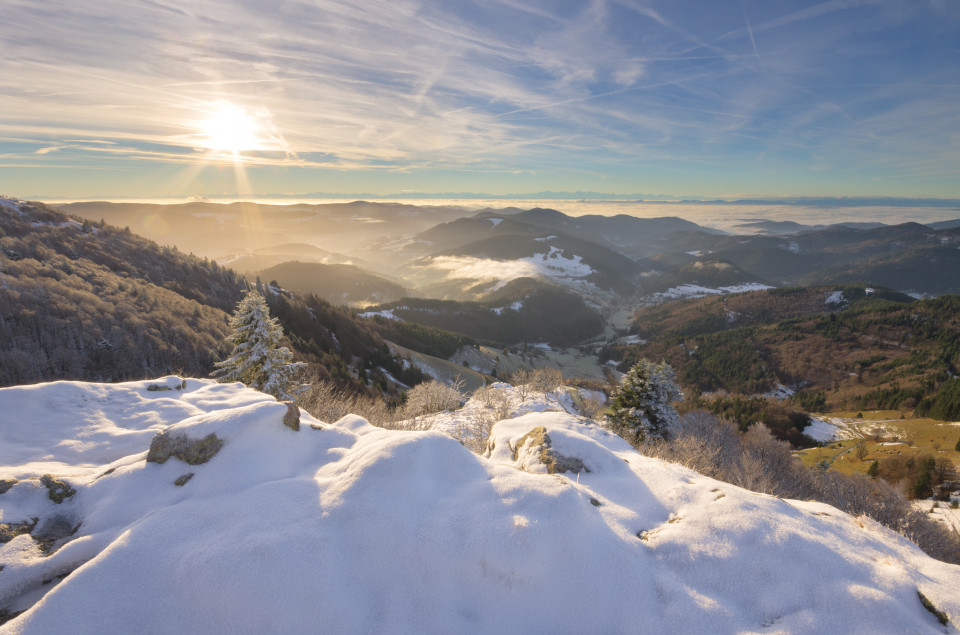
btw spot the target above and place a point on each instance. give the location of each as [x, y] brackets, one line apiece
[292, 418]
[182, 480]
[156, 388]
[554, 462]
[9, 531]
[54, 532]
[110, 471]
[57, 490]
[7, 615]
[6, 484]
[927, 604]
[190, 451]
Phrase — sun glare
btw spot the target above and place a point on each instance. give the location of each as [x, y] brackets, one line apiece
[230, 129]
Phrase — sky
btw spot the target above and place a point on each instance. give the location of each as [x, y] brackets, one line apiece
[166, 98]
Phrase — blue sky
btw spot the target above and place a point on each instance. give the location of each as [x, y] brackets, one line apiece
[157, 98]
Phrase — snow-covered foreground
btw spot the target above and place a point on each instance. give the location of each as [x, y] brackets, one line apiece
[347, 528]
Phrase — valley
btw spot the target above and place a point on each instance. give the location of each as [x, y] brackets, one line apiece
[610, 288]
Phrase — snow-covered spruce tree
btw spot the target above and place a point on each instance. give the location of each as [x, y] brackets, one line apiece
[257, 358]
[641, 409]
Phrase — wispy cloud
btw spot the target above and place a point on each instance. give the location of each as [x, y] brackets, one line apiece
[601, 88]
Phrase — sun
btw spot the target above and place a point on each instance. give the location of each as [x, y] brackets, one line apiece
[230, 129]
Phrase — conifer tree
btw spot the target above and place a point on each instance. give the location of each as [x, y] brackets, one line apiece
[642, 406]
[257, 358]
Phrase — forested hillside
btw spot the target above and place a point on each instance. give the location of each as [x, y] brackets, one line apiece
[91, 301]
[81, 300]
[523, 310]
[339, 284]
[841, 347]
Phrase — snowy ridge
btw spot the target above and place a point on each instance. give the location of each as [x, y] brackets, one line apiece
[348, 528]
[12, 204]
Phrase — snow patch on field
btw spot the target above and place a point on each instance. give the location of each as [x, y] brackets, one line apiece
[780, 392]
[364, 530]
[516, 306]
[941, 511]
[836, 298]
[823, 430]
[386, 313]
[697, 291]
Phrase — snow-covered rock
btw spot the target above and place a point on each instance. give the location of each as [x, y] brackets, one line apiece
[347, 528]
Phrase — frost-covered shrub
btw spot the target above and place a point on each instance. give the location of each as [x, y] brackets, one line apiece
[496, 399]
[328, 402]
[430, 397]
[474, 433]
[544, 380]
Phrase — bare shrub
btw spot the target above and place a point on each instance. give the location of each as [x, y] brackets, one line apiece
[861, 451]
[590, 406]
[475, 432]
[328, 402]
[546, 379]
[520, 380]
[495, 399]
[704, 443]
[759, 462]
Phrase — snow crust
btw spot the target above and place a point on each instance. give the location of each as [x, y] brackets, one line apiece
[347, 528]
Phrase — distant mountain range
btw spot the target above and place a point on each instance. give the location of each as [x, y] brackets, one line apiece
[609, 262]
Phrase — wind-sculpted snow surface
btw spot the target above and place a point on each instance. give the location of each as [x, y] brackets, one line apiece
[347, 528]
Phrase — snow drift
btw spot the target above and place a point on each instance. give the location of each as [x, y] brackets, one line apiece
[348, 528]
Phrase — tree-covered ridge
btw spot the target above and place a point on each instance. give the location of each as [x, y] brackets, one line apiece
[870, 350]
[338, 346]
[524, 310]
[89, 301]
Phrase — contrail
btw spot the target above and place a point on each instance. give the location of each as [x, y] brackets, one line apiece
[752, 39]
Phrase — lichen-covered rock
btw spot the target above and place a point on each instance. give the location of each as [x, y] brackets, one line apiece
[555, 462]
[182, 480]
[190, 451]
[6, 484]
[57, 490]
[9, 531]
[292, 418]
